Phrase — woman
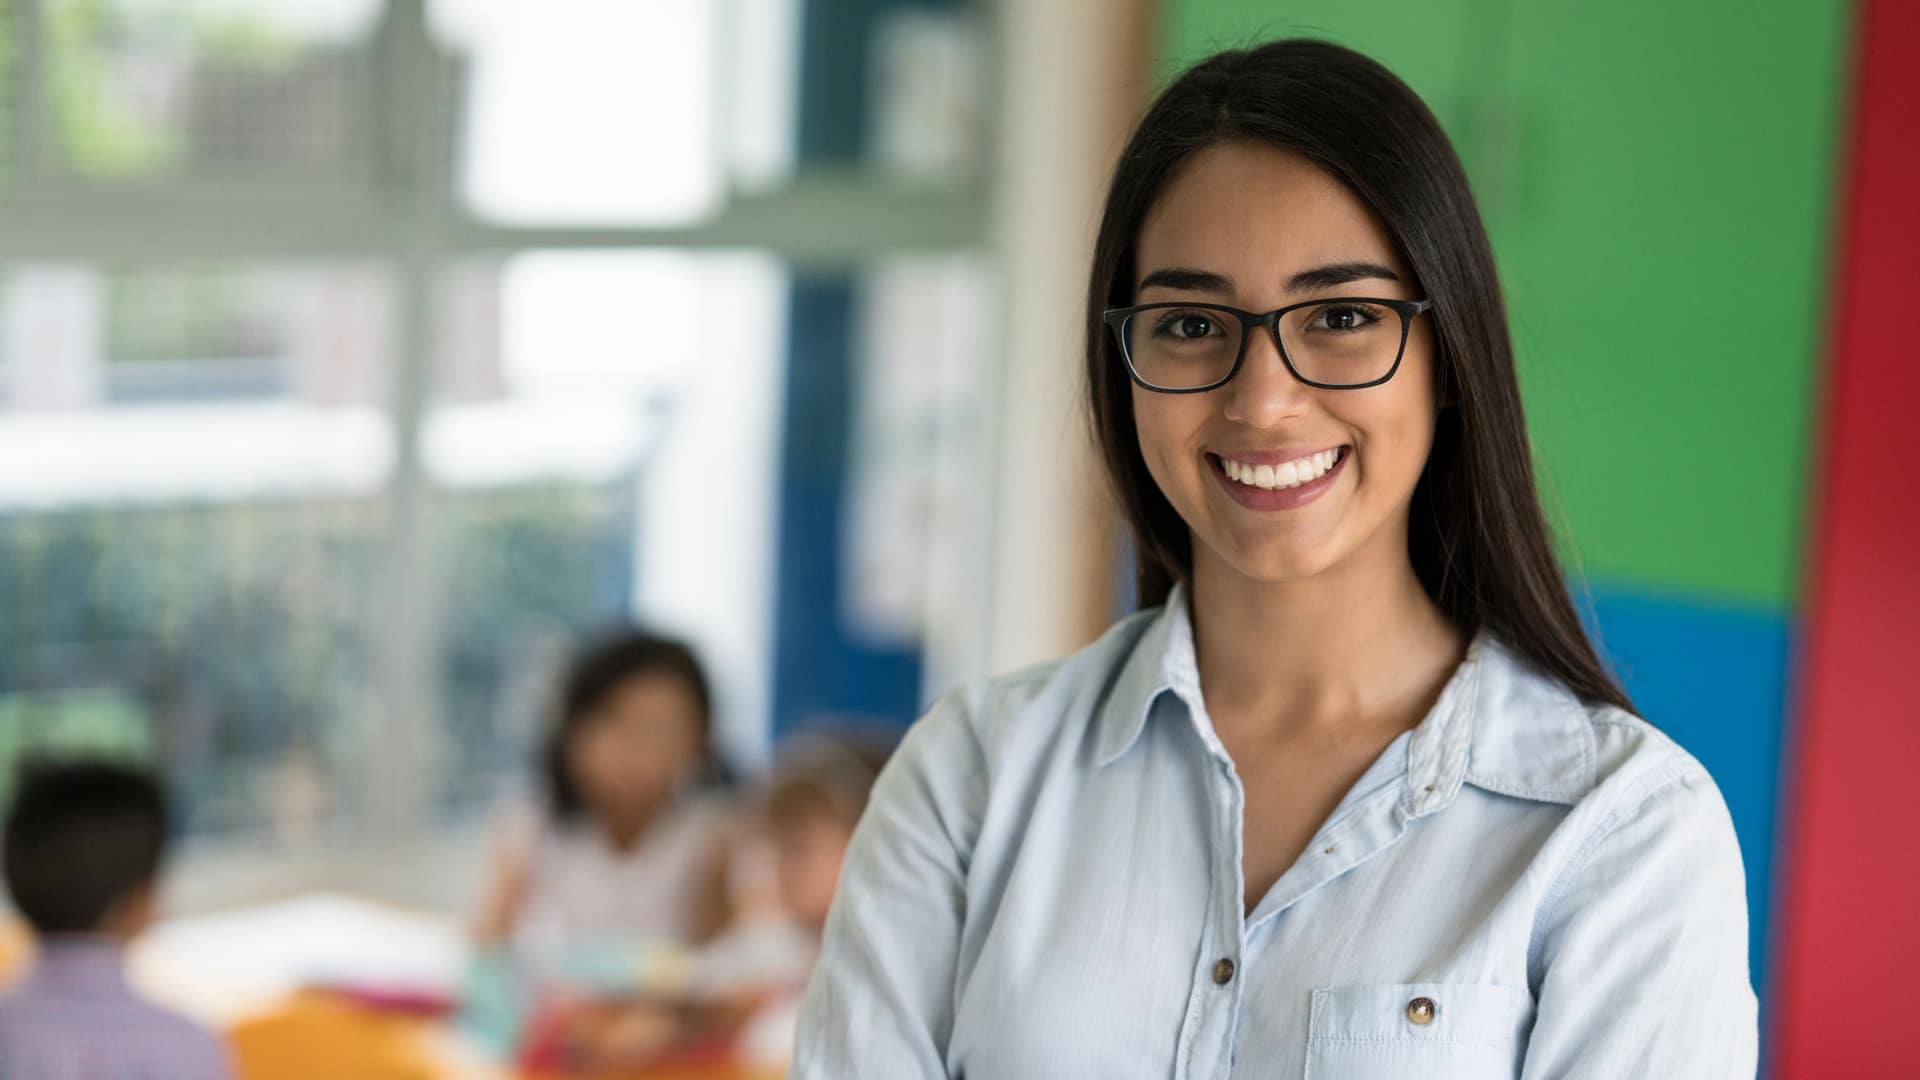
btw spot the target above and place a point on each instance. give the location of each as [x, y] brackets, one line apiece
[1356, 798]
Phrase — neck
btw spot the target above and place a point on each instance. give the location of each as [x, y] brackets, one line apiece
[625, 829]
[1358, 645]
[94, 940]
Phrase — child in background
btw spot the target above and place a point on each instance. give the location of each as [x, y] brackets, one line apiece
[813, 801]
[84, 842]
[623, 847]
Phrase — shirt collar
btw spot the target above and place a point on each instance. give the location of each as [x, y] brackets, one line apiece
[1498, 724]
[1531, 736]
[1162, 660]
[79, 962]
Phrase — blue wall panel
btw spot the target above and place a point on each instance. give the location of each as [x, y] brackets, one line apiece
[1715, 678]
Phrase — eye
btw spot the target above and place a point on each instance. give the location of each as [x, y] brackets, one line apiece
[1339, 318]
[1187, 325]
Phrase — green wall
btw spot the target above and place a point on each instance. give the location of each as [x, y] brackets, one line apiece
[1656, 179]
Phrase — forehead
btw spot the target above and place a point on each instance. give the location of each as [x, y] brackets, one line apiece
[650, 691]
[1258, 215]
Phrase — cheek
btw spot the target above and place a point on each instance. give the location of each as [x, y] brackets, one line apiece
[1395, 437]
[824, 874]
[808, 877]
[590, 762]
[681, 744]
[617, 758]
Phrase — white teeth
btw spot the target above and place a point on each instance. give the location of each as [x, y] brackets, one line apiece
[1285, 475]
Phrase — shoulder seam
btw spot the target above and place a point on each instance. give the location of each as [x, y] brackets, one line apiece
[1666, 780]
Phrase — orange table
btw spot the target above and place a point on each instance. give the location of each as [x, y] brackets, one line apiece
[312, 1037]
[15, 948]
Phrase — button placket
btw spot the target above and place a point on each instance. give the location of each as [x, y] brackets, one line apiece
[1228, 923]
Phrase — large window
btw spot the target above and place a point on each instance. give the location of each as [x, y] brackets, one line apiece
[202, 536]
[357, 357]
[194, 469]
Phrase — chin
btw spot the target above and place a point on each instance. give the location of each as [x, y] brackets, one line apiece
[1279, 564]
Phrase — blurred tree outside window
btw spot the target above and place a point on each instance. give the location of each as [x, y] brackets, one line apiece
[343, 387]
[198, 459]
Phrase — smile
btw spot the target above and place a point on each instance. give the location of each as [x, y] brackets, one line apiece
[1287, 474]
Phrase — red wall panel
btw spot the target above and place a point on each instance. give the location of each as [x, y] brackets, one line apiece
[1850, 944]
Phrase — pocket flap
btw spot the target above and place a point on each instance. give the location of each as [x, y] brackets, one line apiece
[1453, 1012]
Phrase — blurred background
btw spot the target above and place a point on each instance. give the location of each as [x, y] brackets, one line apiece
[357, 358]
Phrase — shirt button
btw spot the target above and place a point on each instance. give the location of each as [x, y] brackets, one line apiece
[1420, 1010]
[1223, 971]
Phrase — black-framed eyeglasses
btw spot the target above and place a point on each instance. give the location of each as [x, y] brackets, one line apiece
[1343, 343]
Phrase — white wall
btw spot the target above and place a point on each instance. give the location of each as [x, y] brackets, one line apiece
[1071, 84]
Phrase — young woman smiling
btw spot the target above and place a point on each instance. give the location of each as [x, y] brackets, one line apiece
[1353, 796]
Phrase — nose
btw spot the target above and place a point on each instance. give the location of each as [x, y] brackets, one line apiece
[1263, 392]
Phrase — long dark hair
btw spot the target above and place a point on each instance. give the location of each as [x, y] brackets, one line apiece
[1476, 535]
[601, 668]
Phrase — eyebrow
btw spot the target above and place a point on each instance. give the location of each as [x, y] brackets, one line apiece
[1324, 277]
[1320, 277]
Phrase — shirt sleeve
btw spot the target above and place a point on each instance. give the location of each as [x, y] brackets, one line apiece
[881, 1002]
[1642, 963]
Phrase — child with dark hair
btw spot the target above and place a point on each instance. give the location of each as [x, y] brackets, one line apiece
[622, 845]
[83, 847]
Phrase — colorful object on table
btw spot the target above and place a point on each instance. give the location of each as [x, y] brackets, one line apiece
[495, 1001]
[394, 1001]
[576, 1038]
[503, 987]
[637, 968]
[630, 1010]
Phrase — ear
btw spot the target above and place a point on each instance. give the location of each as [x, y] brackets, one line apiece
[132, 914]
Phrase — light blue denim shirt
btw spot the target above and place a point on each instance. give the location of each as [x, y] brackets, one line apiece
[1046, 886]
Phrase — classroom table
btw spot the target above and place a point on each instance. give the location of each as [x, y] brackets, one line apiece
[248, 972]
[14, 948]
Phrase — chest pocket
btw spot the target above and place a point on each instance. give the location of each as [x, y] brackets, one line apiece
[1437, 1031]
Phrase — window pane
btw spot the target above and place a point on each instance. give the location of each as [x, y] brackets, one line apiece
[185, 543]
[223, 638]
[603, 447]
[138, 90]
[9, 117]
[920, 499]
[929, 95]
[293, 333]
[614, 112]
